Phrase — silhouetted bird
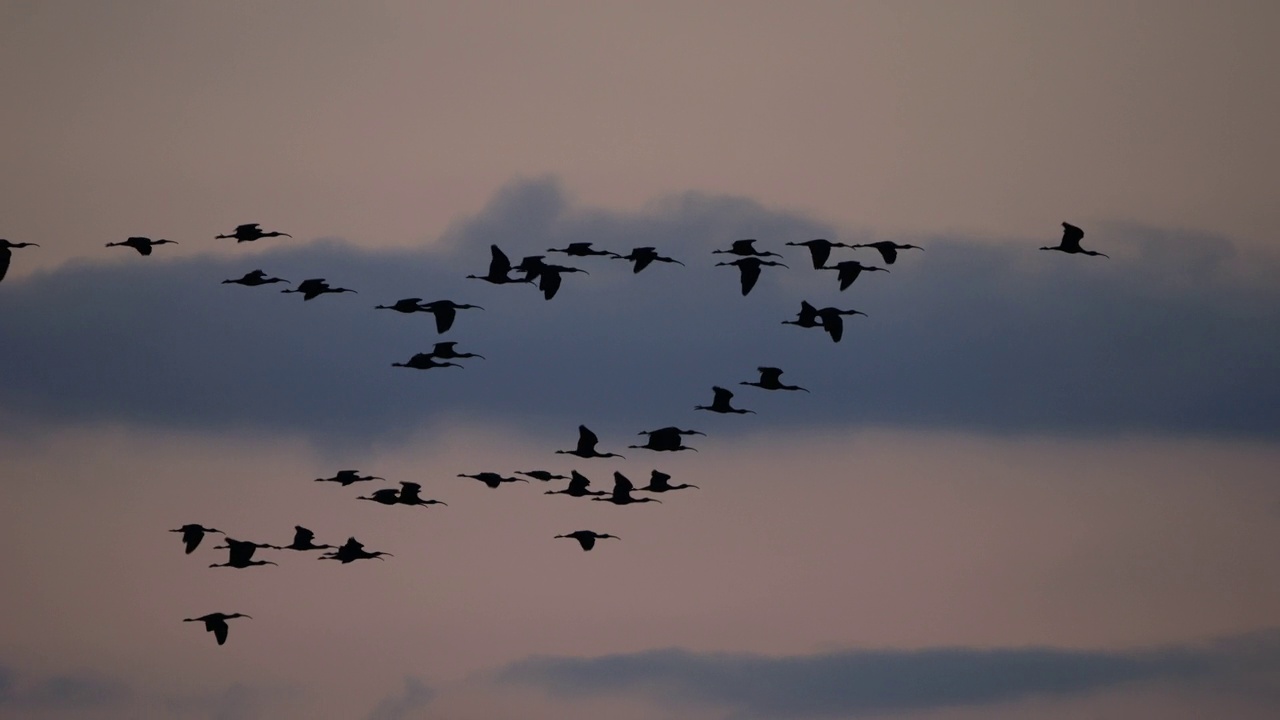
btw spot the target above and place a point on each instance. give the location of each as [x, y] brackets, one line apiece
[406, 305]
[303, 540]
[542, 475]
[492, 479]
[352, 551]
[578, 485]
[827, 318]
[409, 495]
[582, 249]
[6, 254]
[347, 477]
[314, 288]
[769, 380]
[820, 250]
[254, 279]
[643, 256]
[499, 269]
[424, 361]
[666, 439]
[888, 249]
[587, 538]
[622, 488]
[807, 317]
[1070, 243]
[720, 403]
[251, 232]
[661, 482]
[745, 248]
[445, 351]
[192, 535]
[384, 496]
[241, 553]
[587, 441]
[549, 278]
[216, 623]
[849, 270]
[749, 269]
[141, 244]
[445, 312]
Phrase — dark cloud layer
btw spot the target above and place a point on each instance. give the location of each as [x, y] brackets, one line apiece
[1173, 334]
[59, 692]
[862, 683]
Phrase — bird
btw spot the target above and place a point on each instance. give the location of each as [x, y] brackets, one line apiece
[745, 248]
[409, 495]
[1070, 243]
[827, 318]
[582, 249]
[849, 270]
[749, 269]
[445, 351]
[769, 380]
[445, 312]
[383, 496]
[807, 317]
[549, 278]
[587, 538]
[578, 485]
[820, 250]
[351, 551]
[314, 288]
[587, 441]
[254, 279]
[406, 305]
[667, 438]
[661, 482]
[303, 539]
[192, 535]
[347, 477]
[888, 249]
[6, 253]
[250, 232]
[499, 269]
[643, 256]
[542, 475]
[216, 623]
[241, 553]
[621, 495]
[492, 479]
[424, 361]
[141, 244]
[720, 403]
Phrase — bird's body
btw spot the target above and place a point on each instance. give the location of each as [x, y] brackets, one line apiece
[6, 254]
[446, 351]
[424, 361]
[347, 477]
[192, 534]
[720, 403]
[642, 257]
[582, 249]
[849, 270]
[304, 539]
[587, 538]
[216, 623]
[749, 270]
[820, 250]
[667, 439]
[660, 482]
[888, 249]
[383, 496]
[314, 288]
[770, 380]
[240, 553]
[141, 244]
[745, 248]
[499, 269]
[827, 318]
[250, 232]
[404, 305]
[586, 448]
[492, 479]
[351, 551]
[445, 311]
[578, 485]
[549, 278]
[410, 495]
[254, 279]
[542, 475]
[622, 489]
[1070, 243]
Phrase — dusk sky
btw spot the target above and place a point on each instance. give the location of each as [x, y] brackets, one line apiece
[1026, 484]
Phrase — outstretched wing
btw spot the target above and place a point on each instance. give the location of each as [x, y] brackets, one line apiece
[1071, 236]
[500, 264]
[587, 440]
[750, 274]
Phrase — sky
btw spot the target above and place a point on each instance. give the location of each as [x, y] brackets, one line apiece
[1024, 484]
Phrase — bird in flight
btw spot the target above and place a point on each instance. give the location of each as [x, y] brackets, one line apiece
[661, 482]
[251, 232]
[499, 269]
[578, 485]
[820, 250]
[749, 270]
[622, 489]
[642, 257]
[445, 351]
[314, 288]
[254, 279]
[849, 270]
[492, 479]
[304, 539]
[582, 249]
[410, 495]
[241, 553]
[351, 551]
[6, 253]
[543, 475]
[1070, 243]
[586, 448]
[445, 311]
[424, 361]
[216, 623]
[769, 380]
[888, 249]
[745, 248]
[347, 477]
[141, 244]
[405, 305]
[666, 439]
[587, 538]
[827, 318]
[383, 496]
[192, 534]
[720, 403]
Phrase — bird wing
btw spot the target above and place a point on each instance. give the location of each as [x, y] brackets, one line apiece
[248, 227]
[192, 539]
[769, 375]
[549, 283]
[1071, 236]
[500, 264]
[834, 325]
[820, 252]
[586, 541]
[722, 396]
[302, 536]
[218, 628]
[743, 247]
[587, 440]
[750, 274]
[643, 260]
[5, 256]
[621, 484]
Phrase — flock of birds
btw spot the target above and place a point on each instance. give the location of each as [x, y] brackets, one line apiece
[534, 270]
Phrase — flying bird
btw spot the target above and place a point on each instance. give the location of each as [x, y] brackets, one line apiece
[241, 553]
[352, 551]
[303, 539]
[141, 244]
[661, 482]
[587, 441]
[542, 475]
[383, 496]
[749, 269]
[666, 439]
[849, 270]
[445, 312]
[1070, 243]
[254, 279]
[499, 269]
[216, 623]
[251, 232]
[347, 477]
[720, 403]
[6, 253]
[424, 361]
[406, 305]
[445, 351]
[820, 250]
[577, 487]
[888, 249]
[587, 538]
[827, 318]
[769, 380]
[549, 278]
[314, 288]
[192, 535]
[745, 248]
[409, 495]
[492, 479]
[642, 257]
[622, 489]
[582, 249]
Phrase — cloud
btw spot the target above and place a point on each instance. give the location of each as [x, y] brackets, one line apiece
[1174, 334]
[62, 691]
[861, 683]
[397, 706]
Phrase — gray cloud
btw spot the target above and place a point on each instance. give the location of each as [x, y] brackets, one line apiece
[63, 691]
[1171, 335]
[396, 706]
[862, 683]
